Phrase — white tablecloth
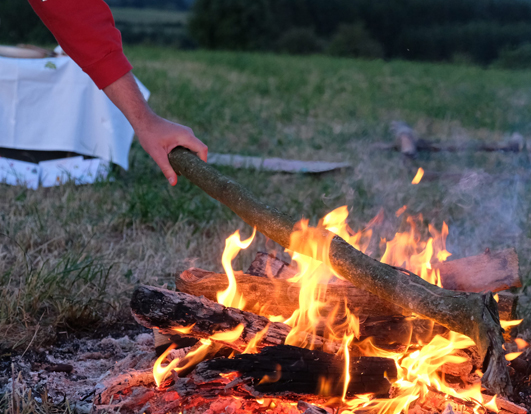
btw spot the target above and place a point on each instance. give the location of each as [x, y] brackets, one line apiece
[52, 105]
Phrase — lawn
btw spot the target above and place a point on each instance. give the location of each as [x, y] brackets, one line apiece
[70, 256]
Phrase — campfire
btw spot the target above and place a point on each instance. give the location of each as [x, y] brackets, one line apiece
[296, 337]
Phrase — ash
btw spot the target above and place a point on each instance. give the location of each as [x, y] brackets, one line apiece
[74, 370]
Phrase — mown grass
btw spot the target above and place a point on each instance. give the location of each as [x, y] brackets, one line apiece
[69, 256]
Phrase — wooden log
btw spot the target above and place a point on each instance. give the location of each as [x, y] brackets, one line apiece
[281, 297]
[472, 314]
[405, 138]
[306, 408]
[490, 271]
[287, 370]
[408, 143]
[381, 321]
[170, 312]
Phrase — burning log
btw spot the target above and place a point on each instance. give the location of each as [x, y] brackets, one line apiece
[490, 271]
[171, 312]
[284, 370]
[281, 297]
[379, 320]
[472, 314]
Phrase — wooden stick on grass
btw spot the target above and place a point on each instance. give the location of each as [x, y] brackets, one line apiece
[472, 314]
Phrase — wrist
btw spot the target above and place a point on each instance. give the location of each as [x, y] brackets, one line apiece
[144, 121]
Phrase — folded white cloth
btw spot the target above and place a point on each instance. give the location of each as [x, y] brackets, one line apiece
[52, 105]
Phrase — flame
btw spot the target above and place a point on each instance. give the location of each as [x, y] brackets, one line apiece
[400, 211]
[194, 356]
[510, 324]
[228, 336]
[512, 355]
[233, 245]
[408, 250]
[346, 343]
[274, 378]
[418, 176]
[251, 347]
[160, 372]
[184, 330]
[521, 344]
[491, 405]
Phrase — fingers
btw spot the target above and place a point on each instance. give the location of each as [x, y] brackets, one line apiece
[161, 158]
[195, 145]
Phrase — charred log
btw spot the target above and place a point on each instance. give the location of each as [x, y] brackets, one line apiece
[170, 312]
[286, 370]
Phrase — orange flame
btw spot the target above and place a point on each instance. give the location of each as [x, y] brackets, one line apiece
[233, 245]
[521, 344]
[418, 176]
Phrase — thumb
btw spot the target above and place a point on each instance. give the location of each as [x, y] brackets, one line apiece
[161, 158]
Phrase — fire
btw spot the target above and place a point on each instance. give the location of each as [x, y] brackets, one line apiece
[408, 250]
[418, 176]
[233, 245]
[419, 368]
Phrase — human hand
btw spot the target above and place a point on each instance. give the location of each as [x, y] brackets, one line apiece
[158, 137]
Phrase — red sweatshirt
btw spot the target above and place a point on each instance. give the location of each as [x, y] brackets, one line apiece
[86, 32]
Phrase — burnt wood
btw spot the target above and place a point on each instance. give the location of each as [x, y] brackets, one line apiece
[472, 314]
[285, 370]
[170, 311]
[387, 327]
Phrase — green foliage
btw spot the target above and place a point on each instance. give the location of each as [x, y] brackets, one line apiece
[299, 41]
[20, 24]
[482, 40]
[232, 24]
[411, 29]
[515, 58]
[355, 41]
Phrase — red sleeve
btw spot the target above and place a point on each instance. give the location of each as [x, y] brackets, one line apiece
[86, 32]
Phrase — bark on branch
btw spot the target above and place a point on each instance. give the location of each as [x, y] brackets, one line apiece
[472, 314]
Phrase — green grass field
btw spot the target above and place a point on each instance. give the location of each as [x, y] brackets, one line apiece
[70, 256]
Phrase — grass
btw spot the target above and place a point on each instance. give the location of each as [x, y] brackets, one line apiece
[70, 256]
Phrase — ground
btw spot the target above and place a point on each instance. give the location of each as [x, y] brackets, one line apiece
[70, 256]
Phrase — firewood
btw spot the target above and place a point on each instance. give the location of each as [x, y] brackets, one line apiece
[408, 143]
[310, 408]
[505, 405]
[490, 271]
[385, 325]
[284, 370]
[485, 272]
[282, 297]
[472, 314]
[169, 312]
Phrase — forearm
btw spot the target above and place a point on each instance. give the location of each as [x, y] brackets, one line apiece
[157, 136]
[126, 95]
